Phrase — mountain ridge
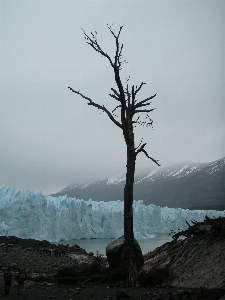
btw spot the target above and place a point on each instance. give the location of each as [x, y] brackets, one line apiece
[181, 185]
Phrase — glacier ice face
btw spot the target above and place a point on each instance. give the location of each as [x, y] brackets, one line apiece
[27, 214]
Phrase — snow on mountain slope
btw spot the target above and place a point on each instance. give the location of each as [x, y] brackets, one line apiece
[181, 185]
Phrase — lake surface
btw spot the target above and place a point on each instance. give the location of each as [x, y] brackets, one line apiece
[147, 244]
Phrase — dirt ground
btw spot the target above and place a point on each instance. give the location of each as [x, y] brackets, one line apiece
[60, 292]
[20, 253]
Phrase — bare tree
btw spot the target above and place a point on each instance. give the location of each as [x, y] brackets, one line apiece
[130, 111]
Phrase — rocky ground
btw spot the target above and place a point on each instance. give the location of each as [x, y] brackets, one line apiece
[194, 262]
[192, 268]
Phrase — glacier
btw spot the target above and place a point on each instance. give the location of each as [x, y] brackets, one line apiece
[26, 214]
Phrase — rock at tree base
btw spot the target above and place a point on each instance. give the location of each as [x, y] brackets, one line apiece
[114, 252]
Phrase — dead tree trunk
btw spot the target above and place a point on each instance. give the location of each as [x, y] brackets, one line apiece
[128, 193]
[129, 106]
[128, 250]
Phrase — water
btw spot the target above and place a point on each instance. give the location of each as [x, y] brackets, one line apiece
[147, 244]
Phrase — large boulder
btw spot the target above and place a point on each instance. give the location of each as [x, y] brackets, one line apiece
[114, 252]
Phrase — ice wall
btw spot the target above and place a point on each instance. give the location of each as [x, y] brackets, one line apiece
[27, 214]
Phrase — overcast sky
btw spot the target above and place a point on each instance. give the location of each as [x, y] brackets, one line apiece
[50, 137]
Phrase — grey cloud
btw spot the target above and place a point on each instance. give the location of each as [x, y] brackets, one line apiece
[50, 138]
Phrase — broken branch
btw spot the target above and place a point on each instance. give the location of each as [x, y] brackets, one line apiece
[98, 106]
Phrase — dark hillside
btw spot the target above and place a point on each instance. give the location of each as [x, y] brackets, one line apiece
[181, 185]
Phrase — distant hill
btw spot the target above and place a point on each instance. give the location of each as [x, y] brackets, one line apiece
[184, 185]
[212, 207]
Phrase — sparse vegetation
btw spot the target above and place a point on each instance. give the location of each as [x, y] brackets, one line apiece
[75, 273]
[97, 264]
[155, 276]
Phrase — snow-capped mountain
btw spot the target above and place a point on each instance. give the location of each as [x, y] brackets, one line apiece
[181, 185]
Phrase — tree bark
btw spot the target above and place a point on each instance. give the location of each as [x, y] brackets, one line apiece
[129, 250]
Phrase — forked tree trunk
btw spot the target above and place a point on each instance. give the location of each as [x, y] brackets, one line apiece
[129, 251]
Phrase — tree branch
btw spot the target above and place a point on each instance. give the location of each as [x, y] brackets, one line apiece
[141, 103]
[115, 108]
[138, 88]
[115, 97]
[145, 152]
[133, 96]
[98, 106]
[139, 144]
[115, 92]
[143, 110]
[94, 44]
[117, 59]
[128, 96]
[116, 65]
